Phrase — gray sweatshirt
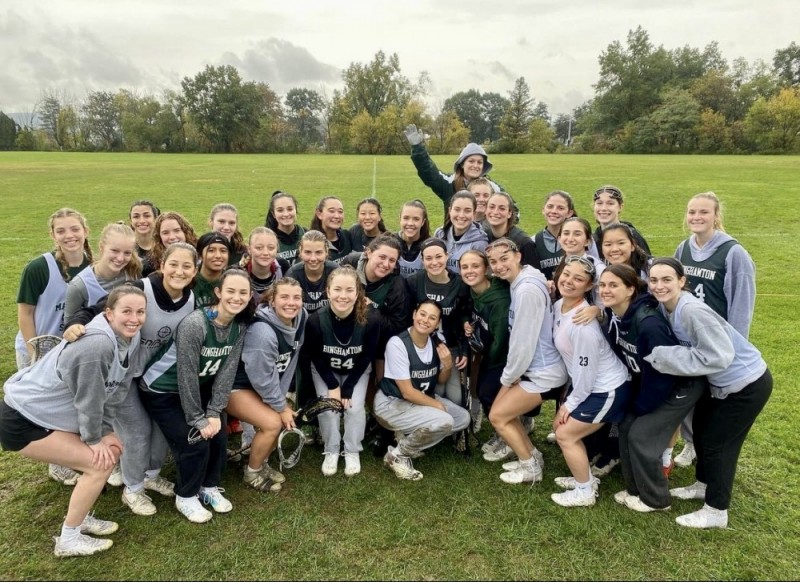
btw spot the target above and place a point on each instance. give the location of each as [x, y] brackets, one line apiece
[76, 387]
[740, 278]
[260, 353]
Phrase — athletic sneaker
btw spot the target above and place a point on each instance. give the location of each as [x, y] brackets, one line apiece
[571, 483]
[704, 518]
[330, 464]
[139, 502]
[192, 509]
[621, 496]
[115, 479]
[273, 474]
[551, 438]
[261, 481]
[80, 545]
[603, 466]
[491, 443]
[352, 464]
[160, 485]
[213, 496]
[401, 465]
[63, 474]
[500, 452]
[696, 490]
[635, 503]
[514, 465]
[575, 498]
[527, 423]
[686, 456]
[523, 474]
[98, 527]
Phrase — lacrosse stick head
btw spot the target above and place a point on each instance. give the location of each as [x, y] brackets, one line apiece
[294, 450]
[316, 407]
[42, 344]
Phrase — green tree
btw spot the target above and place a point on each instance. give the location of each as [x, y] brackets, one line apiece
[786, 64]
[102, 120]
[774, 124]
[304, 109]
[715, 90]
[448, 134]
[374, 86]
[713, 133]
[225, 109]
[479, 112]
[516, 119]
[8, 132]
[675, 121]
[541, 136]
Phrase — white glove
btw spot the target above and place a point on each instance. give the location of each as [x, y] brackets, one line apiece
[413, 135]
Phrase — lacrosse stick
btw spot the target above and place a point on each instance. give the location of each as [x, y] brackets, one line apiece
[304, 416]
[42, 344]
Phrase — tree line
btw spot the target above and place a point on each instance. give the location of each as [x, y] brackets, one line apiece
[647, 99]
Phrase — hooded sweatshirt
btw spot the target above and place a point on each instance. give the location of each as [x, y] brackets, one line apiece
[531, 351]
[443, 184]
[76, 387]
[474, 239]
[269, 356]
[632, 337]
[490, 312]
[711, 347]
[723, 275]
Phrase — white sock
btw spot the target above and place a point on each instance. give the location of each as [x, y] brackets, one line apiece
[666, 457]
[584, 488]
[68, 533]
[152, 473]
[249, 469]
[527, 464]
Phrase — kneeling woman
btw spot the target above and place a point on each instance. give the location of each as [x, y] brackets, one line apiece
[186, 388]
[740, 385]
[341, 362]
[269, 359]
[60, 411]
[600, 385]
[406, 401]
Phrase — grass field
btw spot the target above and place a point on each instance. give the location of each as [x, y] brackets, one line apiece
[460, 522]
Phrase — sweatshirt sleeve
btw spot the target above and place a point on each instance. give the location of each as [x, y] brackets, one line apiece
[259, 354]
[585, 363]
[655, 386]
[430, 175]
[223, 381]
[740, 289]
[528, 251]
[367, 357]
[711, 350]
[524, 337]
[395, 311]
[84, 367]
[189, 339]
[77, 296]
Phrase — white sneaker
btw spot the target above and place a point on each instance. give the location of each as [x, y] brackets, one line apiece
[160, 485]
[261, 481]
[352, 464]
[115, 479]
[401, 465]
[139, 502]
[522, 474]
[621, 496]
[500, 452]
[604, 470]
[635, 503]
[491, 443]
[330, 464]
[575, 498]
[80, 545]
[98, 527]
[514, 465]
[704, 518]
[274, 474]
[686, 456]
[192, 509]
[63, 474]
[213, 496]
[571, 483]
[551, 438]
[696, 490]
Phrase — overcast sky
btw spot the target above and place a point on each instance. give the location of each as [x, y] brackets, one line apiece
[150, 45]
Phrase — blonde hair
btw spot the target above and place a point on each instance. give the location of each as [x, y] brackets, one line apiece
[237, 240]
[717, 207]
[133, 270]
[361, 309]
[313, 236]
[246, 258]
[59, 256]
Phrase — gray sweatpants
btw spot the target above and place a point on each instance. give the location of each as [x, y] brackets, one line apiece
[424, 426]
[145, 445]
[642, 440]
[355, 417]
[452, 388]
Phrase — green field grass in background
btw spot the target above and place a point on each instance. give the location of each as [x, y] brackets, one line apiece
[460, 521]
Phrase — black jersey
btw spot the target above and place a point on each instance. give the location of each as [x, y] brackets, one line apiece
[423, 376]
[315, 295]
[341, 247]
[452, 297]
[706, 279]
[286, 350]
[547, 260]
[340, 356]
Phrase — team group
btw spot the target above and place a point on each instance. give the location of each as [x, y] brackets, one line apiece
[165, 333]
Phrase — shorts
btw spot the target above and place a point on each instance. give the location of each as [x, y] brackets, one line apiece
[16, 431]
[603, 406]
[531, 387]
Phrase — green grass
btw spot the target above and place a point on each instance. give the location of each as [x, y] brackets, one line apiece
[460, 521]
